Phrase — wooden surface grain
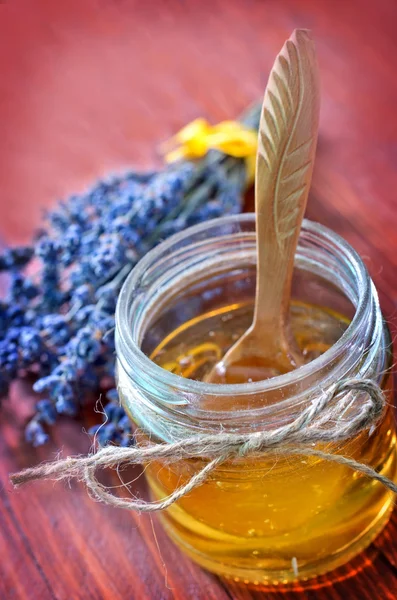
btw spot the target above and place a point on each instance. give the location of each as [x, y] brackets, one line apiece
[89, 86]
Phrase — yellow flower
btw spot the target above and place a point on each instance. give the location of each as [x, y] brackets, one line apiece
[230, 137]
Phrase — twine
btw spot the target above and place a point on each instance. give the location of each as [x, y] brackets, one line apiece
[335, 415]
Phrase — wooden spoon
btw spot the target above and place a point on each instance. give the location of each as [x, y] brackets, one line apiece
[286, 149]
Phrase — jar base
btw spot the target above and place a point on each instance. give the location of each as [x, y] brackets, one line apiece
[272, 577]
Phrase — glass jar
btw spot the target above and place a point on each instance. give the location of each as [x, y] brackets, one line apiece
[273, 519]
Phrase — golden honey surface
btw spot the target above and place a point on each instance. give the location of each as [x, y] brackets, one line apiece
[273, 519]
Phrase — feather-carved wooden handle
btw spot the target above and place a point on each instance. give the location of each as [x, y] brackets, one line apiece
[286, 149]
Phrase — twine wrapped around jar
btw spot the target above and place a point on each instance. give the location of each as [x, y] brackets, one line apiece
[334, 415]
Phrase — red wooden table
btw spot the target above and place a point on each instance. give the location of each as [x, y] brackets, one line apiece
[88, 86]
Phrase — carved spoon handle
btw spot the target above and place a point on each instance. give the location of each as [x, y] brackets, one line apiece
[286, 149]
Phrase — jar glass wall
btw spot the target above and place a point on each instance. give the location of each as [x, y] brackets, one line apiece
[268, 519]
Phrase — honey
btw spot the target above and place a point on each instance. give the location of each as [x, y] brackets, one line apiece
[272, 517]
[269, 518]
[196, 346]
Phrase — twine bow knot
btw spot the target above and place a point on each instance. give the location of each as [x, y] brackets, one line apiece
[332, 416]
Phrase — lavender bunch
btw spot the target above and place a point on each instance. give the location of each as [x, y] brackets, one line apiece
[59, 322]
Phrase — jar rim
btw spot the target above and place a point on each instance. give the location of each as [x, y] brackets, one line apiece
[142, 362]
